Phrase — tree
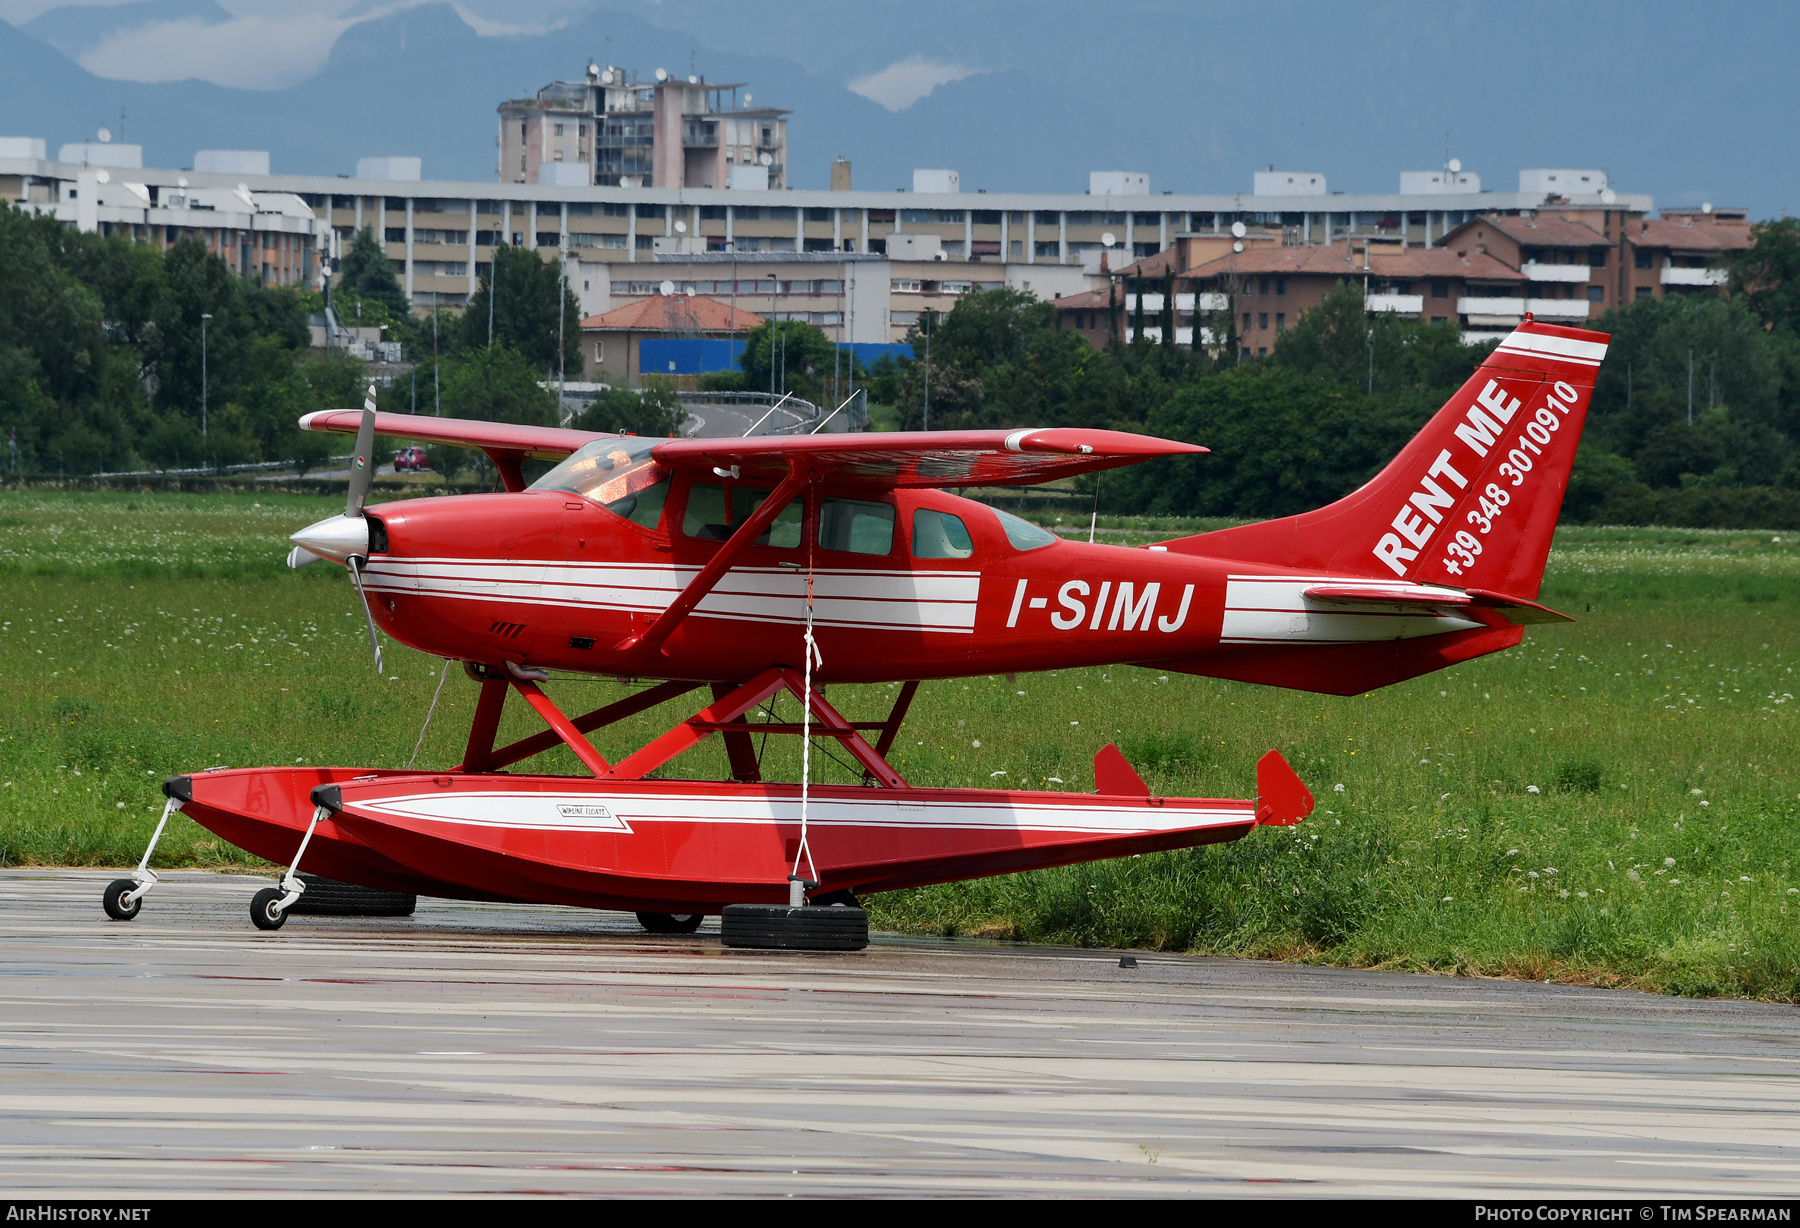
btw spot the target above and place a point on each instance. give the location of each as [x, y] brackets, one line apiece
[799, 355]
[1281, 442]
[1742, 378]
[1376, 352]
[1767, 275]
[524, 290]
[186, 347]
[497, 385]
[366, 273]
[652, 410]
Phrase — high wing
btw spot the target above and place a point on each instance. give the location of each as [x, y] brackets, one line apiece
[925, 458]
[537, 442]
[889, 459]
[505, 443]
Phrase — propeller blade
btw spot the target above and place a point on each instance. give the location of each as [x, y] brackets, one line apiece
[356, 566]
[362, 464]
[300, 556]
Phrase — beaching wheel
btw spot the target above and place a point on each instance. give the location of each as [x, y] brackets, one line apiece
[670, 923]
[782, 927]
[327, 897]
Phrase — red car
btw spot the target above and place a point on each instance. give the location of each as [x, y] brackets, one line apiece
[411, 460]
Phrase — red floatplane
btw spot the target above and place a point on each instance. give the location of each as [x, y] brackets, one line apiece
[755, 566]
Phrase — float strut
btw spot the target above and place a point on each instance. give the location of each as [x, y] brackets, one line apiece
[290, 884]
[144, 876]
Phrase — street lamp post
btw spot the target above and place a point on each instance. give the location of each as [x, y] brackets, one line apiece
[203, 319]
[926, 424]
[774, 325]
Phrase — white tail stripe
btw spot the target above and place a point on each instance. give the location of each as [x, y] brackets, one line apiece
[1568, 349]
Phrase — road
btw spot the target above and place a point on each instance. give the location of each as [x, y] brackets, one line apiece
[479, 1049]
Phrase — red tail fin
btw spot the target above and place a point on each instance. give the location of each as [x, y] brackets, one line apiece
[1472, 501]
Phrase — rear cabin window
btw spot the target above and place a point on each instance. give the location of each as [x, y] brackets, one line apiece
[856, 527]
[939, 535]
[618, 474]
[706, 518]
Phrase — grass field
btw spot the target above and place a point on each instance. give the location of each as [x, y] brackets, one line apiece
[1613, 802]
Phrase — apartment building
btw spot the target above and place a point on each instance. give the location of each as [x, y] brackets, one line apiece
[934, 246]
[613, 130]
[1682, 251]
[1267, 289]
[1570, 259]
[274, 237]
[1559, 264]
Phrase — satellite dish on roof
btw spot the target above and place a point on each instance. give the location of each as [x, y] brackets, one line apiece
[102, 177]
[1238, 231]
[693, 80]
[1454, 165]
[662, 74]
[746, 99]
[680, 228]
[1608, 197]
[1108, 239]
[765, 159]
[181, 182]
[1238, 246]
[606, 78]
[667, 288]
[1706, 207]
[105, 135]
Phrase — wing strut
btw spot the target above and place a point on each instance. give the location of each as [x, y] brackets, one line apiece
[653, 636]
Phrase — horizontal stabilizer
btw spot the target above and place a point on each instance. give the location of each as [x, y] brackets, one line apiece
[1421, 598]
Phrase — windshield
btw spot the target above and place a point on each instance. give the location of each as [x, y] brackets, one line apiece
[1022, 533]
[618, 474]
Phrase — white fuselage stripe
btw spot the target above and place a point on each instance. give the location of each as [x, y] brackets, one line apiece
[939, 601]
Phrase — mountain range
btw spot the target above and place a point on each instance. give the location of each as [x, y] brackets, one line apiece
[1688, 103]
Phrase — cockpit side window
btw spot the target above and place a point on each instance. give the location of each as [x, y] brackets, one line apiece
[705, 517]
[939, 535]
